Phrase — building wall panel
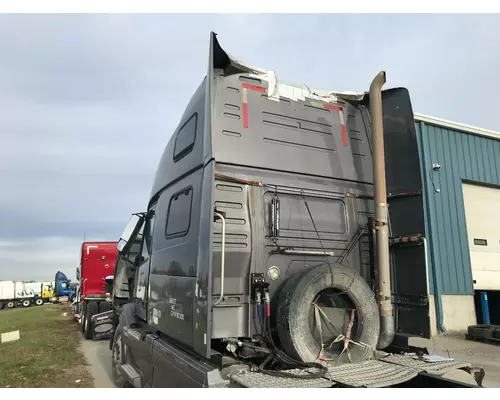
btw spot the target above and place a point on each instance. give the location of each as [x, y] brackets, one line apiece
[463, 156]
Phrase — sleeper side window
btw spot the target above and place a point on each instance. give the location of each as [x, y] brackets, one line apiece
[179, 214]
[184, 141]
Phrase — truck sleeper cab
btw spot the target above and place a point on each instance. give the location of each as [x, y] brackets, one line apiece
[258, 244]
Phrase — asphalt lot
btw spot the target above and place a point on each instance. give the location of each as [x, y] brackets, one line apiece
[99, 357]
[479, 354]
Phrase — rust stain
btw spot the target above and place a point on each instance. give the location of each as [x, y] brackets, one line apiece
[237, 180]
[251, 201]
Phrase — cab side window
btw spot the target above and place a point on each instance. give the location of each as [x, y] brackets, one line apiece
[135, 248]
[179, 214]
[184, 141]
[147, 238]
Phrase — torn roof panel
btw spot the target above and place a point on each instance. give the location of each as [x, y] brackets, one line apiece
[292, 91]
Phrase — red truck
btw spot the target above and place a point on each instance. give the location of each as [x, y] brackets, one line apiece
[95, 277]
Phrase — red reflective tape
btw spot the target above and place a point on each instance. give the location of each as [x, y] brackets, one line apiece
[245, 115]
[255, 88]
[332, 107]
[344, 135]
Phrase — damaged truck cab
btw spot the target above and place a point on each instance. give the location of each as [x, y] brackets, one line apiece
[284, 231]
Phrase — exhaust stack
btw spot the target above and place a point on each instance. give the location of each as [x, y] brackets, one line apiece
[387, 326]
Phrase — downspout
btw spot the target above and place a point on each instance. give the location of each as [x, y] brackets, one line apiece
[438, 303]
[387, 326]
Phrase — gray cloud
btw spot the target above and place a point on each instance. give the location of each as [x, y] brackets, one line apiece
[88, 102]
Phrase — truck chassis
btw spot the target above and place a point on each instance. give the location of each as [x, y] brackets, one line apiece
[21, 302]
[385, 370]
[91, 313]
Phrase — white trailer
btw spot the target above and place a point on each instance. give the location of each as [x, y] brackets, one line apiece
[16, 293]
[33, 287]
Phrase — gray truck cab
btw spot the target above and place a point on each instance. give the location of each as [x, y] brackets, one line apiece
[256, 258]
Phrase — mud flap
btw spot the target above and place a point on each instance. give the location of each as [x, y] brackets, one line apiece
[102, 325]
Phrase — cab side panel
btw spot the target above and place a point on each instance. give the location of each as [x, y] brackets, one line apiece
[174, 259]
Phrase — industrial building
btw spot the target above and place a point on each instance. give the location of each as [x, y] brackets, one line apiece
[461, 186]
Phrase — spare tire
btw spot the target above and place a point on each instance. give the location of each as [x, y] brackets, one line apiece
[295, 305]
[481, 331]
[496, 334]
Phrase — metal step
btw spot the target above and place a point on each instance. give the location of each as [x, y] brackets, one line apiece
[132, 375]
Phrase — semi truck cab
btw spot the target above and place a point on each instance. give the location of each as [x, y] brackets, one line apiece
[95, 276]
[283, 244]
[63, 287]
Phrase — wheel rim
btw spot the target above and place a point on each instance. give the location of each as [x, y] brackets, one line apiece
[39, 302]
[26, 303]
[10, 305]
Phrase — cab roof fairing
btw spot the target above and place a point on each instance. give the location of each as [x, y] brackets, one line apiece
[295, 92]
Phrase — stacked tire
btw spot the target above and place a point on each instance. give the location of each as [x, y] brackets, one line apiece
[483, 332]
[496, 334]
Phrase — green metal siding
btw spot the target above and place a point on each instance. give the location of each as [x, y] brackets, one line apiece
[463, 157]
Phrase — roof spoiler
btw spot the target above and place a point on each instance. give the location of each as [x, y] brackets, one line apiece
[220, 59]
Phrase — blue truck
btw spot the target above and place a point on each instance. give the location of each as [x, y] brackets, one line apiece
[63, 287]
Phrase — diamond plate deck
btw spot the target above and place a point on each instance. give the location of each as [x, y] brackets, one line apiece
[260, 380]
[388, 371]
[371, 374]
[438, 368]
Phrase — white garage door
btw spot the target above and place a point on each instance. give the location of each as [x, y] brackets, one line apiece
[482, 212]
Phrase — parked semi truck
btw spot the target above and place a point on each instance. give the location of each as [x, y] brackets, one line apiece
[63, 287]
[19, 293]
[283, 244]
[95, 277]
[48, 291]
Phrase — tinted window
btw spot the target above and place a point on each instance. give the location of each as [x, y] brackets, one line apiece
[179, 214]
[135, 248]
[148, 235]
[184, 142]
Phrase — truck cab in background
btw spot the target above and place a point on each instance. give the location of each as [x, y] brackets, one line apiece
[48, 291]
[63, 287]
[95, 277]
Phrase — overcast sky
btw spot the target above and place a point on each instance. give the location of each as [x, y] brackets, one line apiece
[87, 103]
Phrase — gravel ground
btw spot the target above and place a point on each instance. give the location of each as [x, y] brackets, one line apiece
[99, 357]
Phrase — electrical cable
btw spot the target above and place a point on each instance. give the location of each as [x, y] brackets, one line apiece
[276, 355]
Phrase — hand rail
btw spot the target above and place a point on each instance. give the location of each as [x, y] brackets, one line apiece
[223, 255]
